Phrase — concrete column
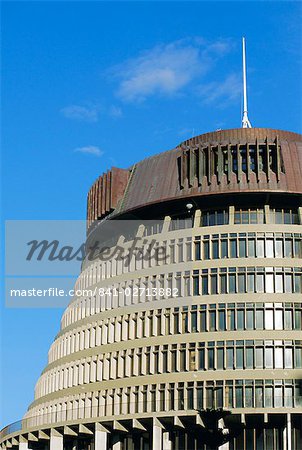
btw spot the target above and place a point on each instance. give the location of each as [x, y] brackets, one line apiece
[117, 442]
[56, 441]
[157, 437]
[100, 440]
[23, 446]
[167, 444]
[288, 432]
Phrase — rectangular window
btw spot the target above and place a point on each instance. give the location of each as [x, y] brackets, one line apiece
[232, 283]
[214, 284]
[212, 317]
[239, 397]
[249, 364]
[242, 248]
[201, 364]
[269, 358]
[288, 358]
[220, 358]
[224, 248]
[251, 248]
[259, 358]
[240, 319]
[202, 321]
[279, 358]
[215, 249]
[269, 248]
[260, 248]
[288, 252]
[259, 319]
[221, 320]
[269, 283]
[279, 248]
[251, 282]
[269, 319]
[233, 248]
[278, 319]
[231, 320]
[223, 284]
[279, 283]
[241, 283]
[250, 319]
[206, 250]
[210, 358]
[205, 285]
[260, 282]
[230, 358]
[239, 358]
[268, 396]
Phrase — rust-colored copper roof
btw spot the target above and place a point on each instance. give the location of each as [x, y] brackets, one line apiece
[226, 161]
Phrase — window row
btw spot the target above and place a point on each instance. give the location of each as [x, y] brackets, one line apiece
[193, 319]
[186, 396]
[231, 280]
[248, 245]
[142, 361]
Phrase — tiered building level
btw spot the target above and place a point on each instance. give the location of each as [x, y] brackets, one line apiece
[222, 332]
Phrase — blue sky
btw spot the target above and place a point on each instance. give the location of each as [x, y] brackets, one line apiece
[90, 85]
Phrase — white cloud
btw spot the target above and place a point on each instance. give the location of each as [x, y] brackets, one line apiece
[115, 111]
[83, 113]
[166, 69]
[90, 150]
[221, 92]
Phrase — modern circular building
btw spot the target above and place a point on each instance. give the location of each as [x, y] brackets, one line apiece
[189, 336]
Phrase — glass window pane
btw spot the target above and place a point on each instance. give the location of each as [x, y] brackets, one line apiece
[239, 358]
[240, 319]
[230, 358]
[260, 282]
[251, 282]
[206, 250]
[269, 358]
[260, 248]
[233, 248]
[214, 286]
[250, 319]
[269, 248]
[232, 283]
[223, 284]
[288, 358]
[251, 248]
[210, 358]
[259, 358]
[249, 358]
[215, 249]
[224, 248]
[221, 319]
[259, 319]
[279, 248]
[269, 319]
[288, 253]
[278, 319]
[269, 282]
[212, 317]
[220, 358]
[279, 283]
[241, 283]
[242, 248]
[268, 399]
[279, 358]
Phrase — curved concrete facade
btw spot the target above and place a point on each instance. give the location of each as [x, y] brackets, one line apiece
[157, 345]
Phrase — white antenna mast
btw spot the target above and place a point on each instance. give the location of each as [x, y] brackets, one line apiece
[245, 120]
